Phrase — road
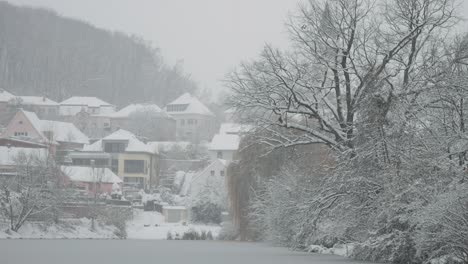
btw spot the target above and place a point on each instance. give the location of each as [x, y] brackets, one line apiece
[153, 251]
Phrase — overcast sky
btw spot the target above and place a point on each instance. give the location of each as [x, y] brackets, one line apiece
[210, 36]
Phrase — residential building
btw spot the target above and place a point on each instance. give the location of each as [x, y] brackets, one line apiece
[195, 122]
[136, 163]
[148, 121]
[214, 176]
[91, 105]
[224, 146]
[6, 112]
[61, 137]
[94, 126]
[44, 107]
[90, 179]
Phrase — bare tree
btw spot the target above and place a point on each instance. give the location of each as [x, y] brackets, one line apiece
[33, 191]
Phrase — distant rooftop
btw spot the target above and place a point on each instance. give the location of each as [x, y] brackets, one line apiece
[134, 144]
[62, 131]
[135, 108]
[37, 100]
[88, 174]
[224, 142]
[5, 96]
[234, 128]
[85, 101]
[187, 104]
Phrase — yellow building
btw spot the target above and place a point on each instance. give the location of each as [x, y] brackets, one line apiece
[136, 163]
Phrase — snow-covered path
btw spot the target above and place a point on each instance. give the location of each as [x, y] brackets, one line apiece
[153, 251]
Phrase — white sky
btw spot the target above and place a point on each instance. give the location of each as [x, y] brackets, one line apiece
[210, 36]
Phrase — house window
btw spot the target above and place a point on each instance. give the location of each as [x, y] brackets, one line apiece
[219, 154]
[212, 173]
[221, 173]
[134, 166]
[115, 166]
[114, 147]
[21, 134]
[20, 122]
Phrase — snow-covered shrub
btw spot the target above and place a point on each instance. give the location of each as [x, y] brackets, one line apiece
[228, 232]
[444, 227]
[116, 216]
[397, 247]
[207, 212]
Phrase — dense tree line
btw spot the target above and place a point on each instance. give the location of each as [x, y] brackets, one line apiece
[42, 53]
[382, 84]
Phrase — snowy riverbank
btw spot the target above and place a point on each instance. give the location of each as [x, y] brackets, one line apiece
[144, 225]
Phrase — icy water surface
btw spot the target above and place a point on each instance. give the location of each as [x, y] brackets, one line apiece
[152, 251]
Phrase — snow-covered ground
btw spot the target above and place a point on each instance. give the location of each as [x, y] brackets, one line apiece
[144, 225]
[150, 225]
[69, 229]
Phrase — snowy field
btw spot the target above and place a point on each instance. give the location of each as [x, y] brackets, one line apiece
[153, 251]
[144, 225]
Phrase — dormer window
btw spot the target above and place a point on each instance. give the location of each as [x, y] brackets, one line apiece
[177, 107]
[115, 147]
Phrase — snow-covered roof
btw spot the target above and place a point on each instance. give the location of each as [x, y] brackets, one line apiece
[234, 128]
[135, 108]
[85, 101]
[168, 145]
[134, 144]
[193, 106]
[62, 131]
[9, 154]
[224, 142]
[37, 100]
[6, 96]
[88, 174]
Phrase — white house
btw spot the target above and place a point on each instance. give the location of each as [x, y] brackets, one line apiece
[146, 120]
[91, 105]
[211, 183]
[224, 146]
[195, 122]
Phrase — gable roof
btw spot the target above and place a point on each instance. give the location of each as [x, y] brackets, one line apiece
[62, 131]
[88, 174]
[134, 144]
[85, 101]
[194, 106]
[37, 100]
[199, 181]
[135, 108]
[5, 96]
[224, 142]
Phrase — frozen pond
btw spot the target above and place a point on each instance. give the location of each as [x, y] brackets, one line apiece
[152, 251]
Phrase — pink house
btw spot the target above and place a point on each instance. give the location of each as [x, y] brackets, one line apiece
[60, 136]
[92, 180]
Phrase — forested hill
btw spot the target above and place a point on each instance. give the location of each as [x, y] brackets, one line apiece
[42, 53]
